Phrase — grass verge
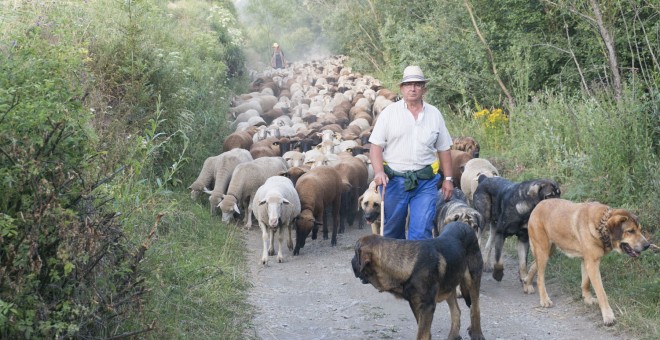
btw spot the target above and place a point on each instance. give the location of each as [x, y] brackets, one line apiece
[196, 270]
[632, 287]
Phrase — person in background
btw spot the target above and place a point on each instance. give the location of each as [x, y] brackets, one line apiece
[278, 60]
[409, 135]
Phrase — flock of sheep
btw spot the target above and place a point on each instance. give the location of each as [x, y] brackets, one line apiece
[298, 158]
[298, 153]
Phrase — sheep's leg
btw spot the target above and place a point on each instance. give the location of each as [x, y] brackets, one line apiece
[280, 239]
[264, 238]
[271, 247]
[290, 242]
[248, 216]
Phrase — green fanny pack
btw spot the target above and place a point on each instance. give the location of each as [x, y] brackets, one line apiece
[411, 177]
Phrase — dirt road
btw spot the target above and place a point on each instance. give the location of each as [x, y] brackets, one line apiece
[316, 296]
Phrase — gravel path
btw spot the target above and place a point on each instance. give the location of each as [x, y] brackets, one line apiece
[316, 296]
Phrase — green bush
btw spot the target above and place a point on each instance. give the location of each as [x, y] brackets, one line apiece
[66, 268]
[105, 107]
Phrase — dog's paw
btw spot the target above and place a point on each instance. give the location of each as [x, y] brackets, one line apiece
[546, 303]
[609, 320]
[475, 335]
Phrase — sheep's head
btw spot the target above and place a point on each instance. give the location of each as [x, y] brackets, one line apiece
[194, 194]
[306, 221]
[273, 203]
[228, 205]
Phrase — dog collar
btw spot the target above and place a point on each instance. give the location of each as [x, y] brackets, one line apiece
[604, 233]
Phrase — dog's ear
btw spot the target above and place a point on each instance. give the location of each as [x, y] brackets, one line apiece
[533, 190]
[365, 258]
[615, 226]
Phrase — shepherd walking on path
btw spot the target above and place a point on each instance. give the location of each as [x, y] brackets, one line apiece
[278, 60]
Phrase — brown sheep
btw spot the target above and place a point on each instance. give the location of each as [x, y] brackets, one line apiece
[293, 173]
[319, 188]
[354, 175]
[458, 161]
[239, 139]
[269, 147]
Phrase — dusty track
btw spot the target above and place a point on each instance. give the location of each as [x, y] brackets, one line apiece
[316, 296]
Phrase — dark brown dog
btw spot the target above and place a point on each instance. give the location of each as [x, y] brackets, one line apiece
[586, 230]
[426, 272]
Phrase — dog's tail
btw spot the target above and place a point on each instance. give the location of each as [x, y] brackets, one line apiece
[465, 292]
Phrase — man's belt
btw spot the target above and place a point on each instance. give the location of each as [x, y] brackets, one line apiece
[411, 177]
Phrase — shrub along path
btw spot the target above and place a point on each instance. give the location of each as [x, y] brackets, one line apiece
[316, 296]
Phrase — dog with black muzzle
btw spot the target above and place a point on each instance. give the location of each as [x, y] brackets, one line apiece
[586, 230]
[370, 202]
[425, 272]
[505, 207]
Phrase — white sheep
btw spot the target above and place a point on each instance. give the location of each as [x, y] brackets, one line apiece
[275, 206]
[225, 165]
[293, 158]
[205, 177]
[245, 180]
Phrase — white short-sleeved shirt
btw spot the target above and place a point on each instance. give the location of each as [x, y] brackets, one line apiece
[409, 144]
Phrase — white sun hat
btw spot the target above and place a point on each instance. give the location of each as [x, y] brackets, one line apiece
[413, 74]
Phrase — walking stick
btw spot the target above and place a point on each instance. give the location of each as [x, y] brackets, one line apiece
[382, 209]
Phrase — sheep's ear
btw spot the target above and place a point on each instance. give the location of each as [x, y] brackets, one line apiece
[285, 201]
[284, 173]
[262, 202]
[207, 191]
[236, 208]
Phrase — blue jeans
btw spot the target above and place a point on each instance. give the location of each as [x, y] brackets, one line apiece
[422, 209]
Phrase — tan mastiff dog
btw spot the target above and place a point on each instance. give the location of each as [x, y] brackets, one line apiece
[426, 272]
[585, 230]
